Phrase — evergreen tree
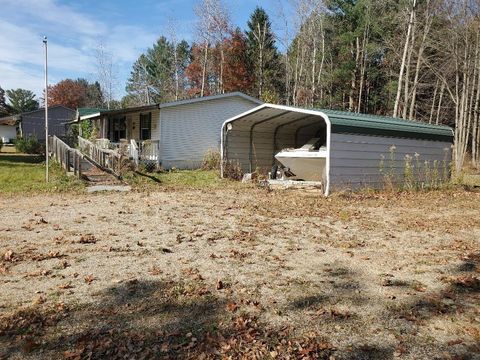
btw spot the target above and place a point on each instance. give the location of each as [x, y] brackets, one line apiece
[4, 108]
[263, 55]
[153, 77]
[160, 69]
[95, 96]
[138, 85]
[22, 100]
[183, 57]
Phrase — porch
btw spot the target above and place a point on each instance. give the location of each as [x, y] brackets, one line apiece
[132, 132]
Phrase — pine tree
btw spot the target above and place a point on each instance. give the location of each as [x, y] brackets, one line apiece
[182, 58]
[153, 76]
[22, 100]
[138, 85]
[4, 108]
[160, 69]
[263, 55]
[95, 96]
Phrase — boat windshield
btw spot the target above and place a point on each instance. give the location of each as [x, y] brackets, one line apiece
[313, 144]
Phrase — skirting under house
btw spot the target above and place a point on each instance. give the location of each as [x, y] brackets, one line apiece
[340, 149]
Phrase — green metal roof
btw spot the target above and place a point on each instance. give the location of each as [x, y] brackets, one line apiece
[349, 122]
[89, 111]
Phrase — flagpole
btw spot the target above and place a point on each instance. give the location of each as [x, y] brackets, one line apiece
[46, 107]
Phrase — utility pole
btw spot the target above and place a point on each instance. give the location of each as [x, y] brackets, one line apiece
[46, 107]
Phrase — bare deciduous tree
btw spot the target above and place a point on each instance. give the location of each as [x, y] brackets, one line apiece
[106, 72]
[213, 26]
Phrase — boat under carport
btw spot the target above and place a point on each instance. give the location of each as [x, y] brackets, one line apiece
[356, 144]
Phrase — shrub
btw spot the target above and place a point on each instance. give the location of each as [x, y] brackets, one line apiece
[211, 160]
[232, 170]
[86, 127]
[29, 145]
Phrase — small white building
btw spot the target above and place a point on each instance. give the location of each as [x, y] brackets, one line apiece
[181, 132]
[358, 150]
[8, 129]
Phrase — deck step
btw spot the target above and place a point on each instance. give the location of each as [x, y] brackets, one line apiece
[95, 176]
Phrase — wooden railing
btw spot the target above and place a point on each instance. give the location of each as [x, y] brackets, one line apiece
[69, 159]
[108, 160]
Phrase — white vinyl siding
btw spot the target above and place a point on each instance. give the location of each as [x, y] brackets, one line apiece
[133, 124]
[188, 131]
[356, 160]
[8, 133]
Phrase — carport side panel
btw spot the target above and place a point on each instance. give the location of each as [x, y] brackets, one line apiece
[356, 160]
[238, 148]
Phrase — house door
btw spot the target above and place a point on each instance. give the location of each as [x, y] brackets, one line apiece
[118, 129]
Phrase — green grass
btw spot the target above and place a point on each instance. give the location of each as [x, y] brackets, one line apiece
[196, 179]
[26, 173]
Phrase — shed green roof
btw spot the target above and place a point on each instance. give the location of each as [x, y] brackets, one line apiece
[349, 122]
[89, 111]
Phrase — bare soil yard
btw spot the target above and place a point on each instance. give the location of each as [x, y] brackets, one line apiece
[240, 273]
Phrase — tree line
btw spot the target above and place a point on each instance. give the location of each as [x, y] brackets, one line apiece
[70, 93]
[412, 59]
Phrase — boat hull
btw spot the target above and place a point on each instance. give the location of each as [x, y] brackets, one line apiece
[308, 165]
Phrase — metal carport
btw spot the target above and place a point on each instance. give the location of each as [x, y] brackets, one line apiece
[360, 148]
[253, 138]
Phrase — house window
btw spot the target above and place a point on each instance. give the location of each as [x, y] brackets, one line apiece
[146, 126]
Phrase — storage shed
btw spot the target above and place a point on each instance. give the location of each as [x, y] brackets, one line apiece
[8, 128]
[32, 124]
[360, 150]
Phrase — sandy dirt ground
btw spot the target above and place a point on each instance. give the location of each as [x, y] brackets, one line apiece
[240, 273]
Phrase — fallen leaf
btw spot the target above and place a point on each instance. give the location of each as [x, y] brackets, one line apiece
[232, 307]
[65, 286]
[455, 342]
[89, 278]
[154, 270]
[9, 256]
[39, 300]
[88, 239]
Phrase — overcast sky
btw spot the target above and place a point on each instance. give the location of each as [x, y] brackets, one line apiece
[76, 28]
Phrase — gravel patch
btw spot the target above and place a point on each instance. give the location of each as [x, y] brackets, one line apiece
[241, 271]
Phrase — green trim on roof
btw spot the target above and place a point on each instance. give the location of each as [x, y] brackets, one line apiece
[354, 123]
[89, 111]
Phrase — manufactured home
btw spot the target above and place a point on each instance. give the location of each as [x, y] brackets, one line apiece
[175, 134]
[352, 150]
